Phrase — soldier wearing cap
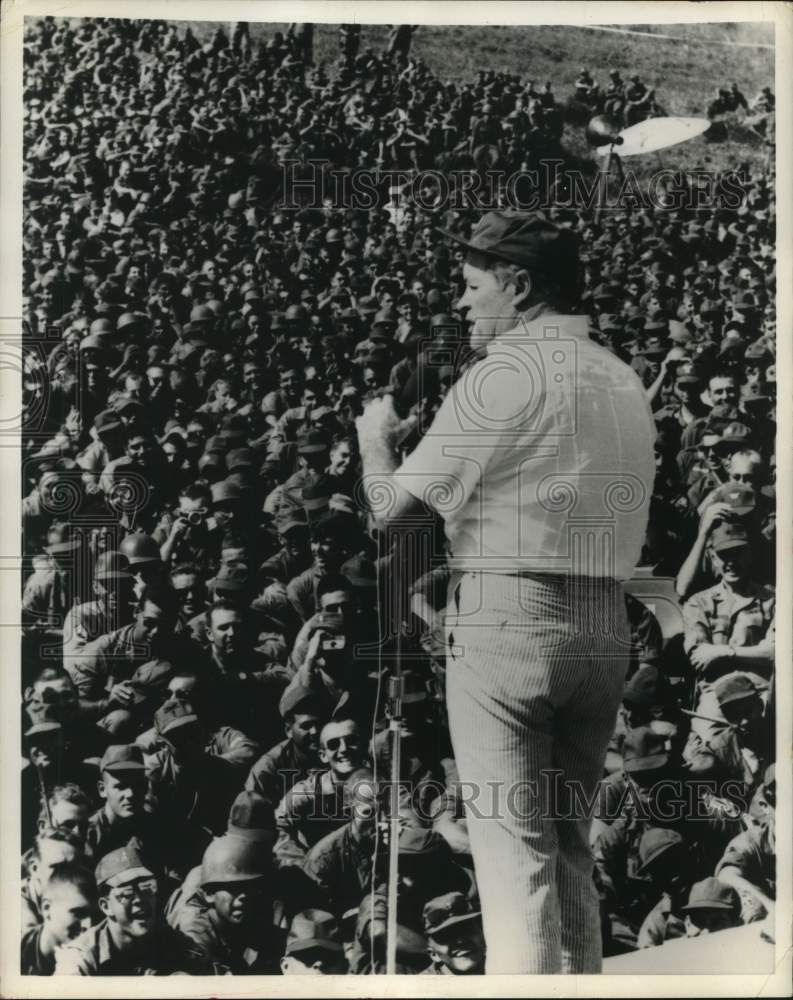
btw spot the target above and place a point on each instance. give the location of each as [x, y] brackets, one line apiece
[743, 744]
[247, 684]
[521, 268]
[722, 392]
[313, 946]
[730, 626]
[296, 757]
[666, 862]
[712, 906]
[122, 787]
[112, 608]
[333, 539]
[453, 928]
[427, 869]
[294, 556]
[687, 406]
[198, 766]
[130, 940]
[52, 589]
[103, 669]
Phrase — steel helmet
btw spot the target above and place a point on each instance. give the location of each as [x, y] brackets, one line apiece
[102, 327]
[140, 548]
[129, 319]
[296, 314]
[201, 314]
[235, 859]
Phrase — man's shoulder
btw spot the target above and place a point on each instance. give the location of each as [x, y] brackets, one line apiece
[80, 957]
[273, 758]
[704, 598]
[302, 792]
[331, 843]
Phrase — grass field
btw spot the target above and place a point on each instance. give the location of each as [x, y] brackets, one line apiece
[684, 73]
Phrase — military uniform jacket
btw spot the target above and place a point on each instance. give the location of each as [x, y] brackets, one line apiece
[748, 619]
[94, 953]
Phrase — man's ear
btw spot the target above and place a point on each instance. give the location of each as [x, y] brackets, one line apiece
[100, 786]
[323, 756]
[104, 904]
[523, 286]
[285, 964]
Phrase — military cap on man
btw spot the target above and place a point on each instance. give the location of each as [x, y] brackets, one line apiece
[312, 930]
[225, 492]
[741, 499]
[734, 687]
[231, 578]
[121, 867]
[421, 843]
[172, 715]
[360, 571]
[712, 894]
[647, 687]
[316, 496]
[753, 393]
[758, 352]
[122, 757]
[610, 323]
[297, 698]
[240, 458]
[686, 373]
[728, 535]
[61, 539]
[644, 750]
[252, 817]
[112, 566]
[447, 912]
[654, 843]
[44, 723]
[528, 239]
[736, 433]
[312, 442]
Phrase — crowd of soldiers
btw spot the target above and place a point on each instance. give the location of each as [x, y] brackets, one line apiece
[207, 612]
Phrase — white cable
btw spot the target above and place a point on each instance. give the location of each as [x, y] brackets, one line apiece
[675, 38]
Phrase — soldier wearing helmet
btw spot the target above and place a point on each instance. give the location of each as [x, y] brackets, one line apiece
[228, 921]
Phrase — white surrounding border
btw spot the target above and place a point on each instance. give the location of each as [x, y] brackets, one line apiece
[413, 12]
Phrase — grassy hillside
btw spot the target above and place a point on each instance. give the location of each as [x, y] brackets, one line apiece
[685, 74]
[685, 71]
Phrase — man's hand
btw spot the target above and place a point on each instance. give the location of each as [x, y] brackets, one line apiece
[380, 425]
[121, 694]
[179, 527]
[313, 659]
[713, 513]
[706, 654]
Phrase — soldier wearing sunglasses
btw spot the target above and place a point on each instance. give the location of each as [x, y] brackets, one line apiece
[316, 806]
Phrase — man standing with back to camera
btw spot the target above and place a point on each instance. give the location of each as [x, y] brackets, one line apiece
[540, 459]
